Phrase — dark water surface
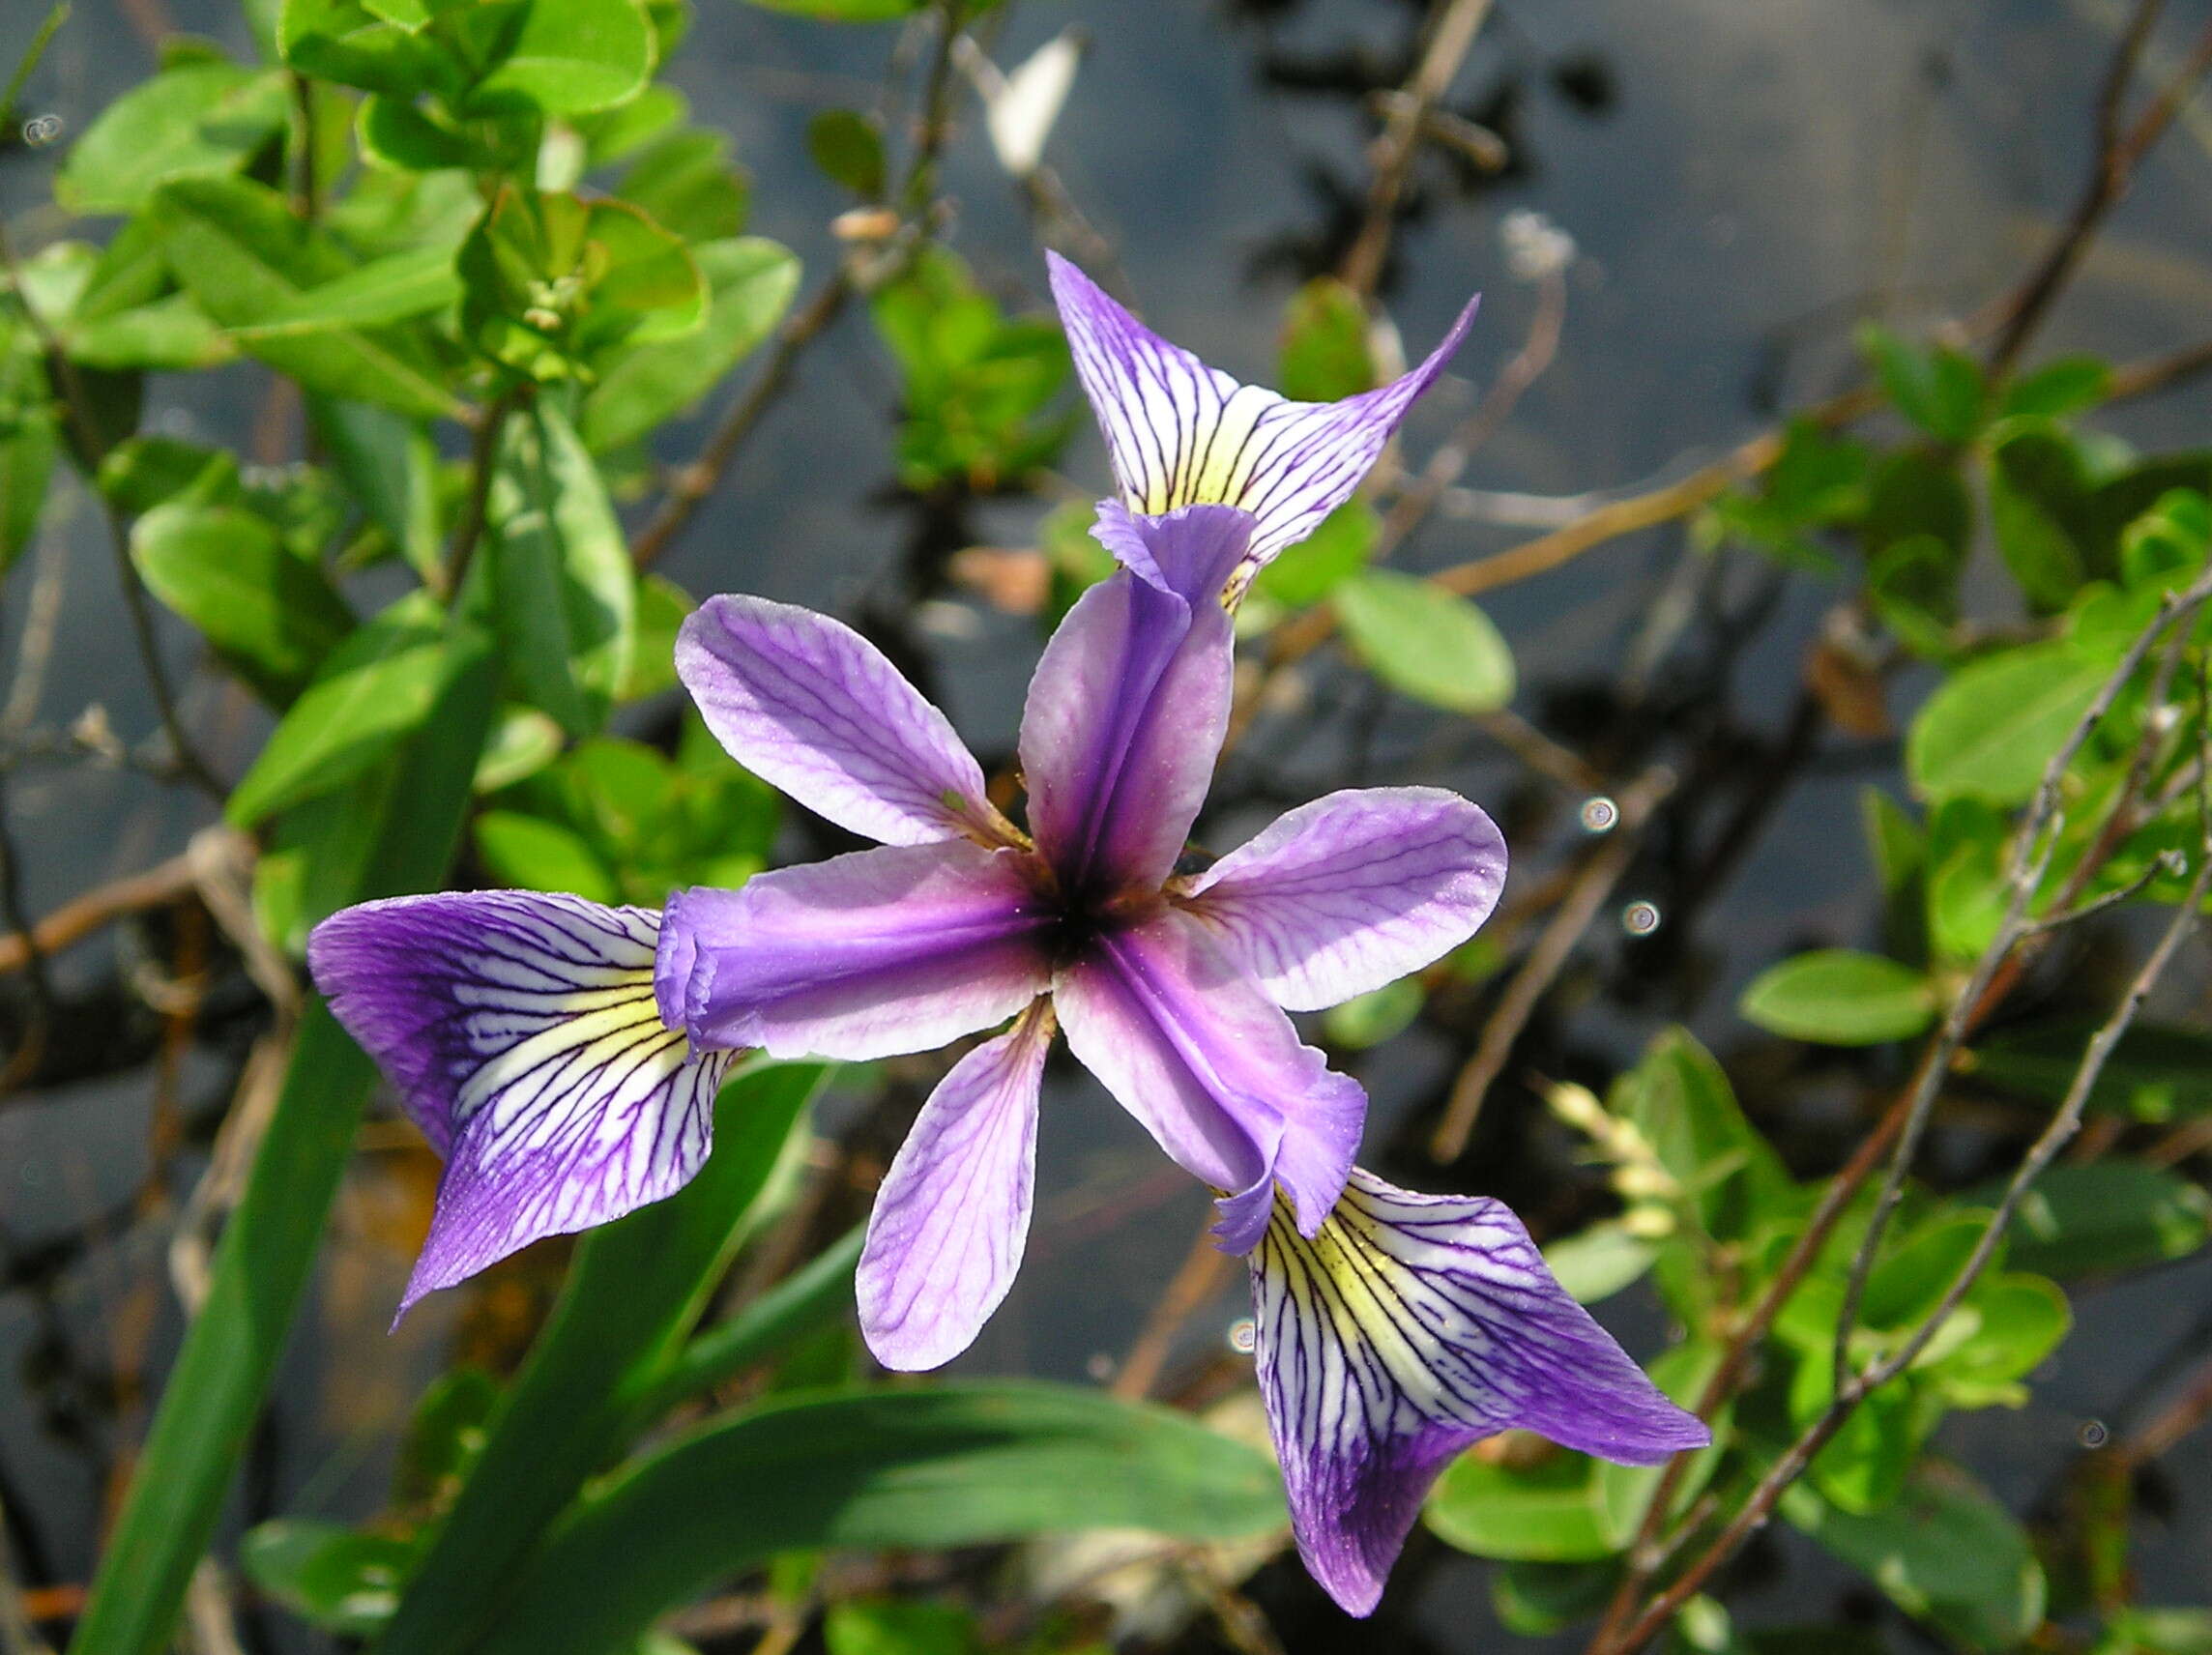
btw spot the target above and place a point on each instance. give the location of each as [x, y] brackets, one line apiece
[1743, 180]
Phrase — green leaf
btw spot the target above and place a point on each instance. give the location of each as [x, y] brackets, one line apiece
[244, 257]
[1597, 1263]
[1337, 549]
[374, 691]
[2168, 545]
[332, 1577]
[634, 1293]
[533, 853]
[1369, 1019]
[1938, 389]
[751, 282]
[2065, 385]
[2018, 1319]
[567, 597]
[1535, 1600]
[1326, 356]
[957, 1465]
[1945, 1553]
[223, 1372]
[523, 743]
[1839, 997]
[2040, 507]
[28, 448]
[1992, 728]
[686, 183]
[1680, 1098]
[1867, 1465]
[849, 149]
[567, 57]
[2158, 1632]
[273, 617]
[661, 609]
[900, 1626]
[200, 120]
[365, 47]
[2155, 1073]
[145, 472]
[384, 290]
[2105, 1216]
[1547, 1513]
[552, 281]
[391, 466]
[818, 1295]
[1425, 642]
[1912, 1277]
[171, 335]
[444, 1439]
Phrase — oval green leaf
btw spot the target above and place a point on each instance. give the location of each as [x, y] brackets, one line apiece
[1839, 997]
[1425, 642]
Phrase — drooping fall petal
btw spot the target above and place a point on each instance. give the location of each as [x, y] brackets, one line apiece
[808, 704]
[1353, 891]
[522, 1033]
[951, 1219]
[1130, 701]
[1213, 1070]
[868, 955]
[1179, 433]
[1408, 1327]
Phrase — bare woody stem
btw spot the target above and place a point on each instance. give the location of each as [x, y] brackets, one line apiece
[1457, 23]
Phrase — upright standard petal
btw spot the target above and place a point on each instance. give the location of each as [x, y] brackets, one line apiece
[1180, 433]
[1213, 1070]
[949, 1223]
[522, 1033]
[1129, 704]
[811, 707]
[1353, 891]
[865, 955]
[1409, 1328]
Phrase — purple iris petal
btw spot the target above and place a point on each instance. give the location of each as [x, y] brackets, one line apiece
[1410, 1326]
[882, 952]
[810, 706]
[1129, 704]
[946, 1237]
[1180, 433]
[1353, 891]
[522, 1033]
[1213, 1068]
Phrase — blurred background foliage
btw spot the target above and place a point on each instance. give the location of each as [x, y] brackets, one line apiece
[380, 383]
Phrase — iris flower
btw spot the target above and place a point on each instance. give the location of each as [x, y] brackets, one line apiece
[563, 1056]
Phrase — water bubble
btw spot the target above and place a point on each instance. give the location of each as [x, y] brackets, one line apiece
[1640, 919]
[1244, 1336]
[42, 130]
[2093, 1434]
[1600, 815]
[1100, 1367]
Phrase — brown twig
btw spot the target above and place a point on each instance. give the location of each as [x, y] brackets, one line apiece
[1193, 1285]
[1458, 22]
[81, 916]
[2119, 150]
[689, 487]
[1450, 459]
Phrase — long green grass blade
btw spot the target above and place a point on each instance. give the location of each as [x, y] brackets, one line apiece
[815, 1294]
[954, 1466]
[632, 1296]
[267, 1248]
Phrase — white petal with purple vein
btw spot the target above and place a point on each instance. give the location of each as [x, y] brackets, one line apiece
[1410, 1326]
[946, 1237]
[1340, 896]
[522, 1031]
[808, 704]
